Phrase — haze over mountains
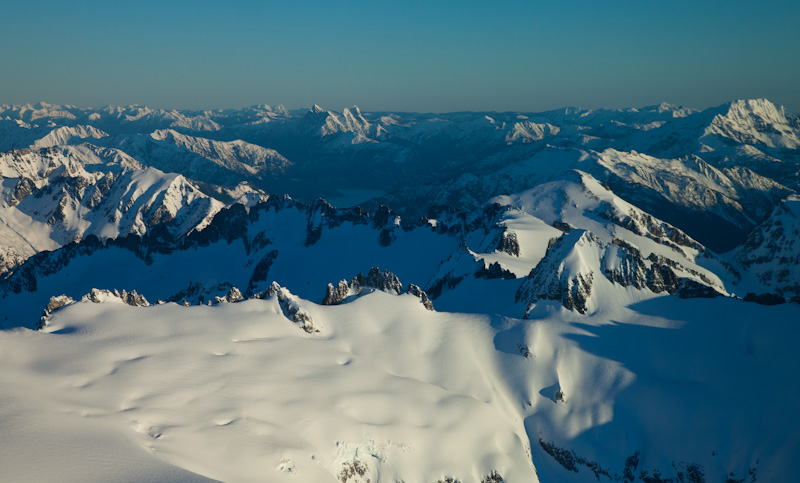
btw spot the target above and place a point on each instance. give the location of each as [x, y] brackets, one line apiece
[598, 268]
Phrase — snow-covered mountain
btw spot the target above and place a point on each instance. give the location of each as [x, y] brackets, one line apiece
[770, 257]
[51, 197]
[573, 295]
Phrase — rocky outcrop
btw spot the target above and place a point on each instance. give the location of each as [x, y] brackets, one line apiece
[493, 271]
[337, 294]
[23, 188]
[386, 221]
[56, 302]
[421, 295]
[130, 298]
[765, 298]
[291, 309]
[233, 295]
[508, 243]
[376, 279]
[261, 270]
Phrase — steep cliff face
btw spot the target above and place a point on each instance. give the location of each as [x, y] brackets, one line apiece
[770, 257]
[566, 274]
[578, 262]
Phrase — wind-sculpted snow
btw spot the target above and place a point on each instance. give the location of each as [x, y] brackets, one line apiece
[385, 390]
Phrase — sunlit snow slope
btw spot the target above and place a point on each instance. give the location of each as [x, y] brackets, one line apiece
[388, 391]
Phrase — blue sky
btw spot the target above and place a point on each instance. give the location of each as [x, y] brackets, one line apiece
[401, 55]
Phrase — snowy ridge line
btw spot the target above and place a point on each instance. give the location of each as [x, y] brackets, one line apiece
[490, 225]
[377, 279]
[229, 224]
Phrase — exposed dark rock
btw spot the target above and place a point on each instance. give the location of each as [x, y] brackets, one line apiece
[131, 298]
[336, 295]
[419, 293]
[261, 270]
[22, 189]
[291, 309]
[631, 270]
[383, 216]
[382, 280]
[233, 295]
[493, 271]
[547, 281]
[765, 298]
[376, 279]
[449, 281]
[198, 293]
[565, 227]
[688, 288]
[56, 302]
[508, 243]
[493, 477]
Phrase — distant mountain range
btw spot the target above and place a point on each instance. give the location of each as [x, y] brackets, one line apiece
[587, 218]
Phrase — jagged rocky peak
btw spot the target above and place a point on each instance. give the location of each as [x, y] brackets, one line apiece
[376, 279]
[131, 298]
[756, 122]
[337, 294]
[321, 214]
[290, 306]
[56, 302]
[565, 274]
[494, 270]
[577, 264]
[381, 280]
[233, 295]
[387, 221]
[419, 293]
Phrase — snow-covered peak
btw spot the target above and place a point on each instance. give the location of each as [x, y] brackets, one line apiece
[756, 122]
[326, 123]
[67, 135]
[528, 132]
[672, 109]
[578, 202]
[237, 156]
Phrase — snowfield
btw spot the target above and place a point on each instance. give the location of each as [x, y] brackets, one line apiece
[389, 391]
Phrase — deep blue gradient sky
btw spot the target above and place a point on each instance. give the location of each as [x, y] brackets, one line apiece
[400, 55]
